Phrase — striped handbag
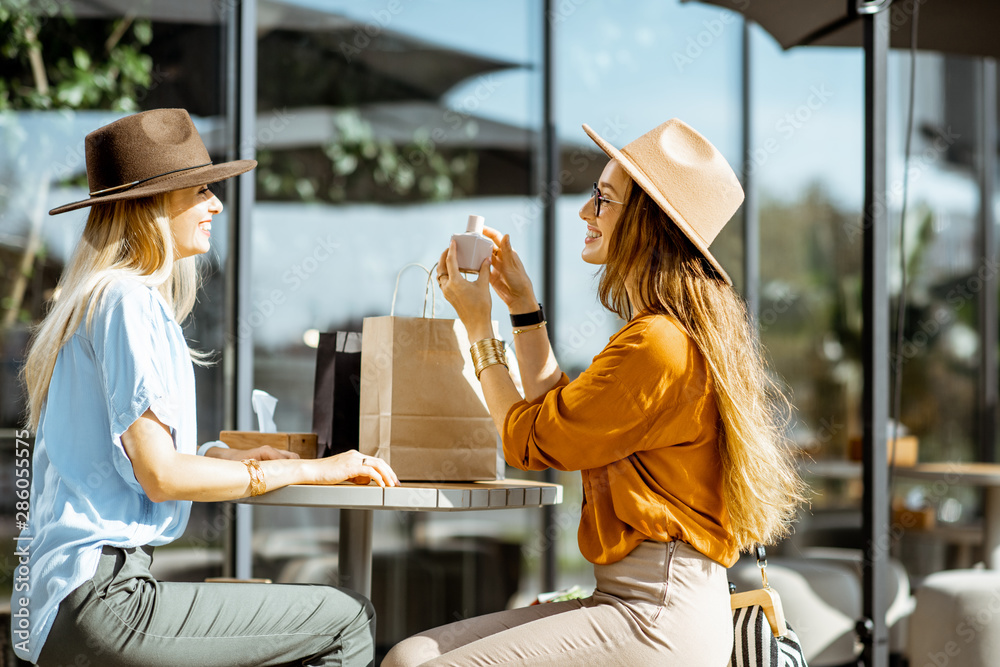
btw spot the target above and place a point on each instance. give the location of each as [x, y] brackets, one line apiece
[756, 646]
[762, 638]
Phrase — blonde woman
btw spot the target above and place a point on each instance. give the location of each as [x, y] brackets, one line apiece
[111, 398]
[672, 426]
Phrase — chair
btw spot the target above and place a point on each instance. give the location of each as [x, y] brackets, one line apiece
[956, 620]
[898, 589]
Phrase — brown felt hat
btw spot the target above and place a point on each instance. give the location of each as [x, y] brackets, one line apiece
[148, 153]
[687, 176]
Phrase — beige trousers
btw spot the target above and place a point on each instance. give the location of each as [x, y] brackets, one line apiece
[663, 604]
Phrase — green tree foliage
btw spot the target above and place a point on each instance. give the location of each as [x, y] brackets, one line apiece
[49, 62]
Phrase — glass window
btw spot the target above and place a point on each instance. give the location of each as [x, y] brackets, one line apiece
[623, 73]
[939, 358]
[69, 68]
[381, 128]
[806, 154]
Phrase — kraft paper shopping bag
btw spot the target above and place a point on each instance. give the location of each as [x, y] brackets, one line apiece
[422, 408]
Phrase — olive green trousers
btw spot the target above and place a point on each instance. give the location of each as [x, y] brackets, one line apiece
[123, 617]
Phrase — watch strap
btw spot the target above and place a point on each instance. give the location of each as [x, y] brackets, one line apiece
[527, 319]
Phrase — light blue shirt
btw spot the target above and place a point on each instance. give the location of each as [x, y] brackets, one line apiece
[84, 493]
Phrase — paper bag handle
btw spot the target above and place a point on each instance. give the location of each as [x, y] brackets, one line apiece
[429, 285]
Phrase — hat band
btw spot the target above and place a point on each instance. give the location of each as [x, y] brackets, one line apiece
[143, 180]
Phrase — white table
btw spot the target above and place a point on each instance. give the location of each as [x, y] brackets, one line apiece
[357, 503]
[986, 475]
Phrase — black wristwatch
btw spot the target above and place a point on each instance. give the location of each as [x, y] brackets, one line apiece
[527, 319]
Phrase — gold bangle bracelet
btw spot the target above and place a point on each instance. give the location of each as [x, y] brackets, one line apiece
[537, 326]
[495, 361]
[482, 359]
[258, 484]
[488, 344]
[482, 363]
[488, 352]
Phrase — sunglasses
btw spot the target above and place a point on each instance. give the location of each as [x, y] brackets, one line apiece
[598, 198]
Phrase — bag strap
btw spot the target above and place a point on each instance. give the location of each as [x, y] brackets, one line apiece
[431, 283]
[766, 598]
[430, 273]
[761, 554]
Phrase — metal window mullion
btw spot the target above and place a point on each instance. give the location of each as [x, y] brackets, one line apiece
[988, 325]
[550, 195]
[751, 214]
[241, 21]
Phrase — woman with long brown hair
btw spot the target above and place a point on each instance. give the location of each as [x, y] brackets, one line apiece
[675, 426]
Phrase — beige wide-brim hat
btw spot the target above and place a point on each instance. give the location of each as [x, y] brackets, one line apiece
[148, 153]
[687, 176]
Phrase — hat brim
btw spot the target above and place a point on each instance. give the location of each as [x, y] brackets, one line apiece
[644, 182]
[188, 179]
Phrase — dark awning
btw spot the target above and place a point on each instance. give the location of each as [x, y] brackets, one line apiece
[963, 27]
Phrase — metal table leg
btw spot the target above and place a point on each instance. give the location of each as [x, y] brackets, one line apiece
[355, 551]
[991, 528]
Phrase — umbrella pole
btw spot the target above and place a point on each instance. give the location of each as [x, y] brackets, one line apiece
[872, 628]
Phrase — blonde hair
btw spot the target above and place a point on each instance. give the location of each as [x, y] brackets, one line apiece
[127, 238]
[668, 275]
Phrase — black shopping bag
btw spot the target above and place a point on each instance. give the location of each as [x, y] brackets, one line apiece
[337, 392]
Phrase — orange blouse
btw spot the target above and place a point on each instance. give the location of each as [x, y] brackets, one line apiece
[641, 424]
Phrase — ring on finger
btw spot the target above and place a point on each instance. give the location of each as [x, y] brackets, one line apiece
[364, 462]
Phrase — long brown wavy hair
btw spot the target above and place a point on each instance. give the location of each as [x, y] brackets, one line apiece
[668, 275]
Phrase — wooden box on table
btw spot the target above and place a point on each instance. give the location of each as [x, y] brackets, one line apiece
[303, 444]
